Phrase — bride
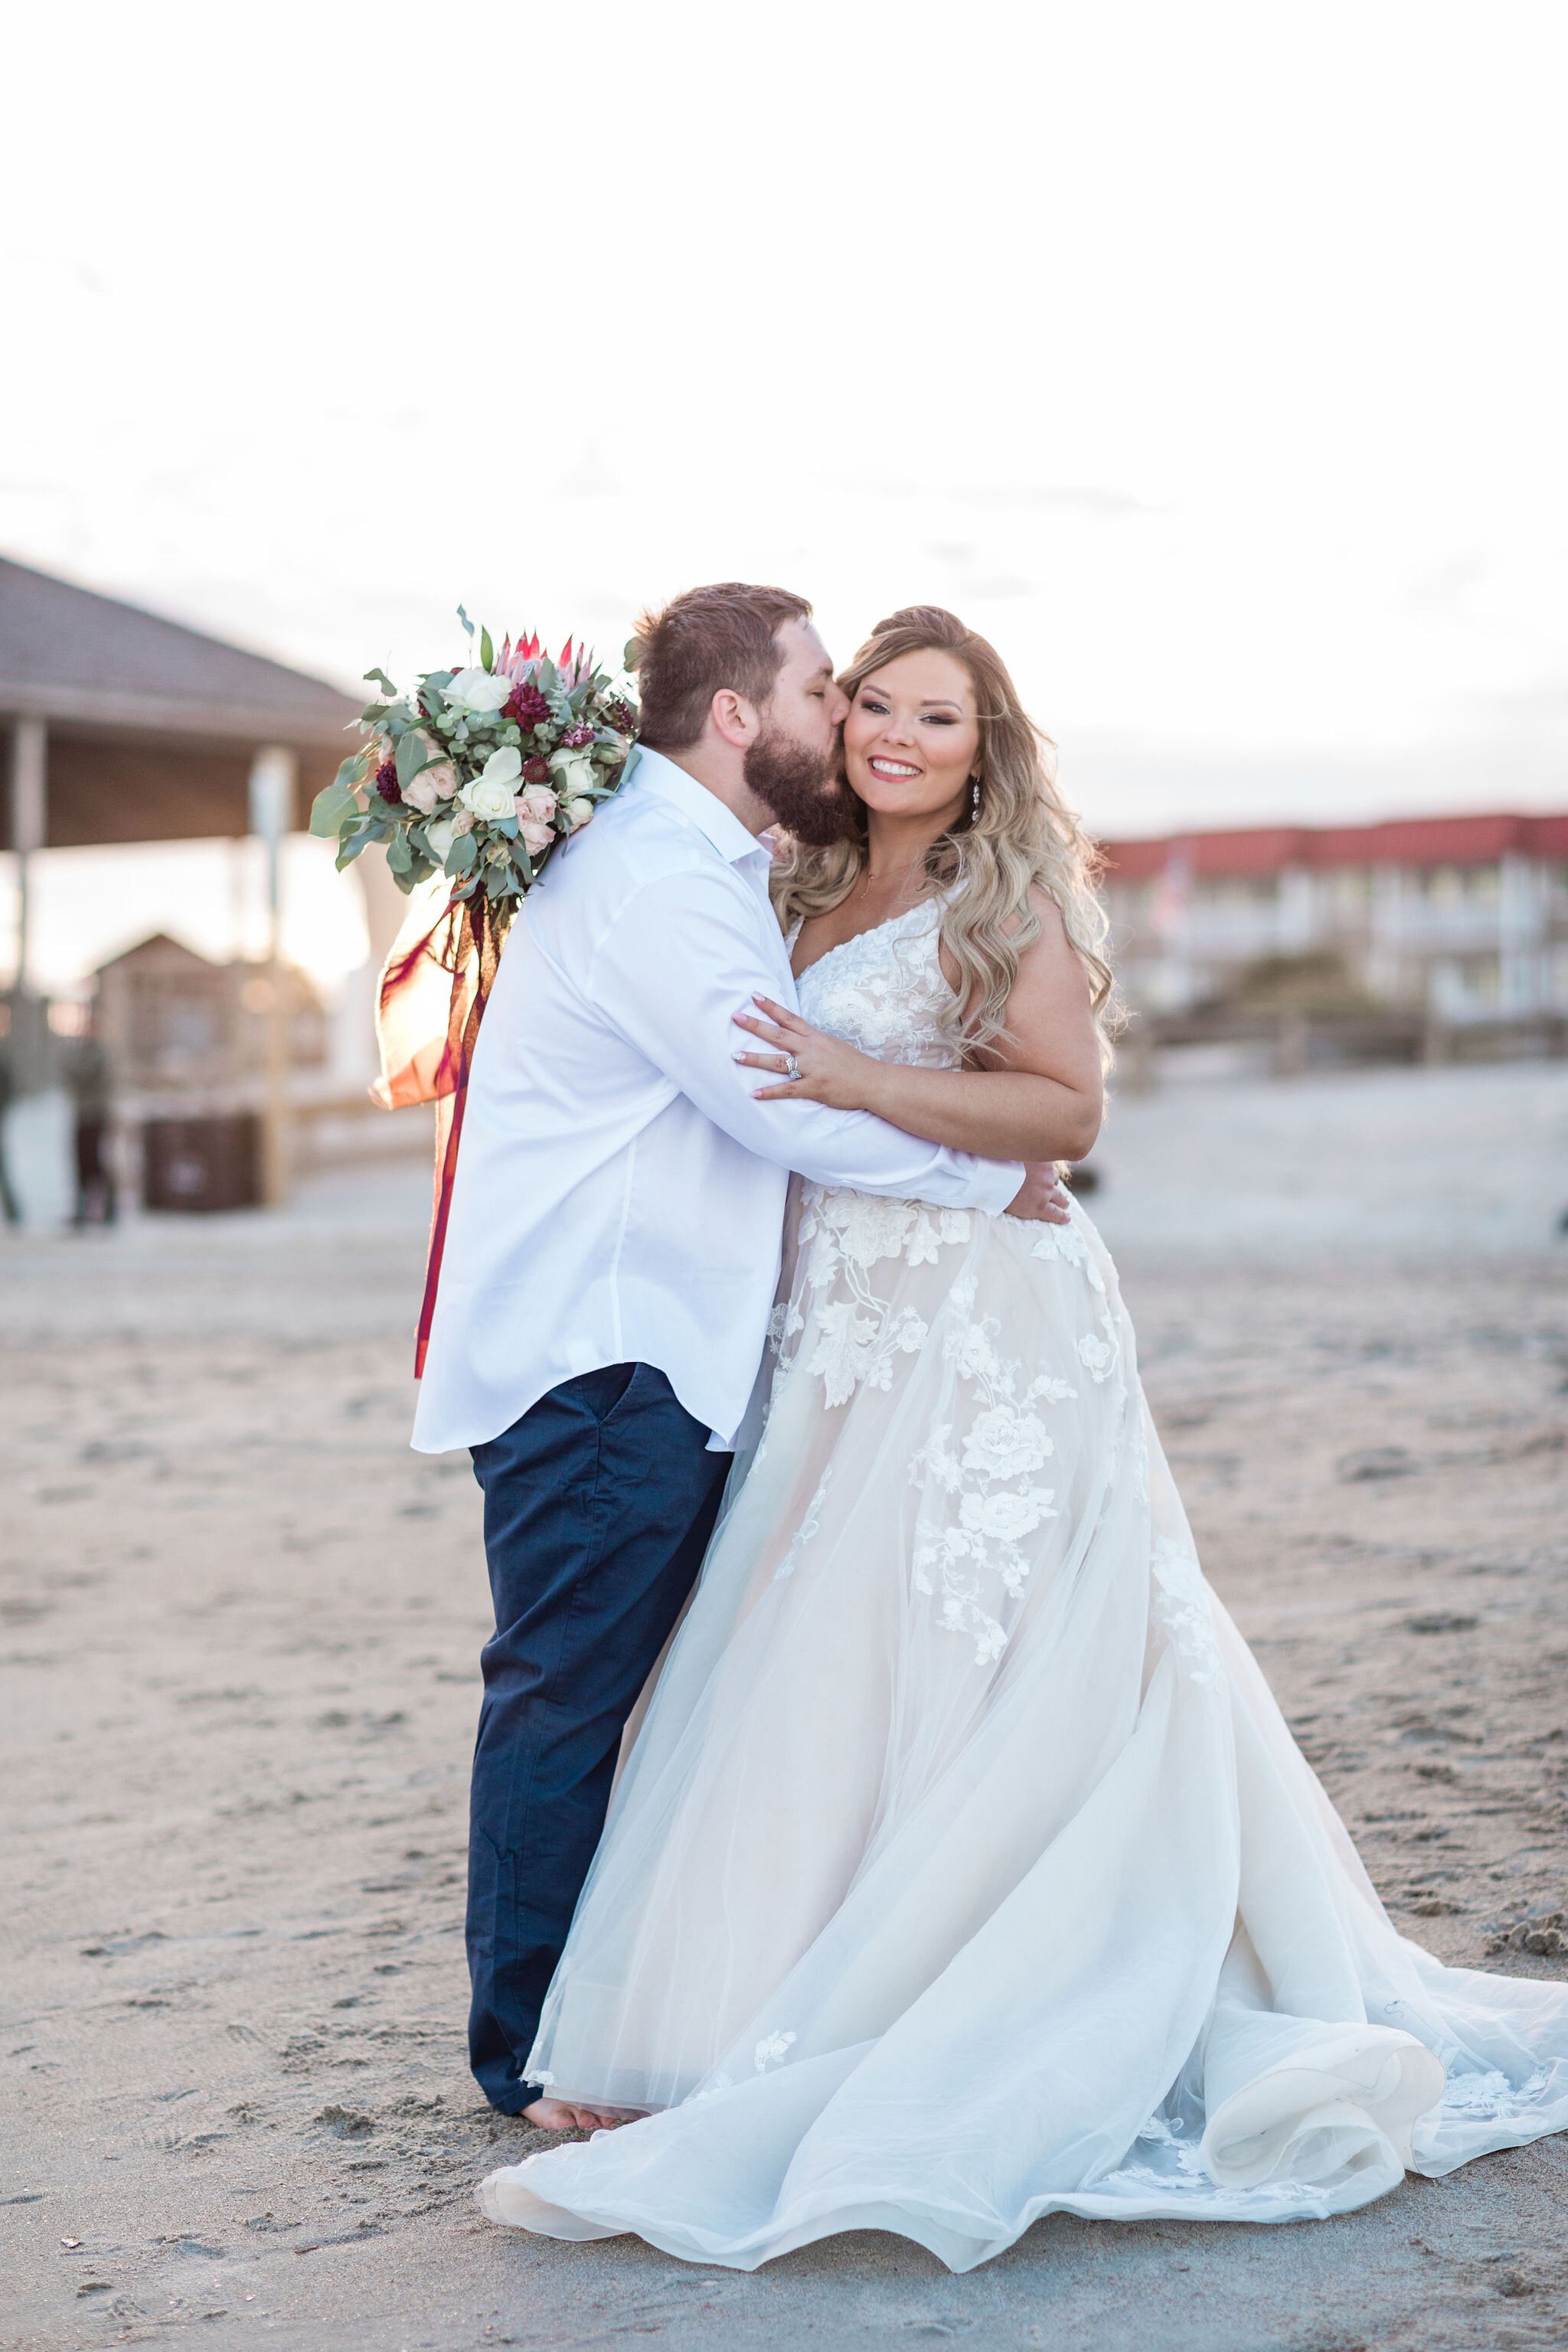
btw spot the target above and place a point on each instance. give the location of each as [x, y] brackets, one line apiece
[962, 1867]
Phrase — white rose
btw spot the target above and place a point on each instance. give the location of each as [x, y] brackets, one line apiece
[578, 811]
[440, 836]
[486, 801]
[574, 773]
[477, 689]
[490, 794]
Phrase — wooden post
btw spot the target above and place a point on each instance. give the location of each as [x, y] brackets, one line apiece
[272, 778]
[29, 833]
[29, 818]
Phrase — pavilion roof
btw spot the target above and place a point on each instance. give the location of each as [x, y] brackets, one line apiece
[70, 655]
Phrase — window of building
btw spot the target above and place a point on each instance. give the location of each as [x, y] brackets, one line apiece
[1238, 890]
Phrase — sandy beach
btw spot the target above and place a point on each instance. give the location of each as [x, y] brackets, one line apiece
[238, 1683]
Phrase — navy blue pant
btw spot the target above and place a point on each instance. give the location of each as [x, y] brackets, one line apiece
[598, 1506]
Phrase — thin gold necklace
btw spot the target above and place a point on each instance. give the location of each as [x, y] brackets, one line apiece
[868, 878]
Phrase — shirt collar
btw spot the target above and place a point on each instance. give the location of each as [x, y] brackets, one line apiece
[706, 812]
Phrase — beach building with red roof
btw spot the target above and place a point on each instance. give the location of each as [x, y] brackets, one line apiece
[1462, 918]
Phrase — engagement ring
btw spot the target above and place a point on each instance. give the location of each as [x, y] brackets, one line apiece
[791, 1066]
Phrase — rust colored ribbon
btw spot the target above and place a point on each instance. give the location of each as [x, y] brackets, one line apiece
[429, 1002]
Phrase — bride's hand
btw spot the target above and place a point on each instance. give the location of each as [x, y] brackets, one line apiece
[831, 1072]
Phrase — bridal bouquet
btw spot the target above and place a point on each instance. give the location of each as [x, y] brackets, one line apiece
[479, 772]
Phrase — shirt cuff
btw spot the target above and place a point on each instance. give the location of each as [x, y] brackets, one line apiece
[996, 1183]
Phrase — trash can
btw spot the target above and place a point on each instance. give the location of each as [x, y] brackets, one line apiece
[202, 1163]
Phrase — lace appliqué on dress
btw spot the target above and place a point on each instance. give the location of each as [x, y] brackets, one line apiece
[1180, 1610]
[885, 991]
[807, 1528]
[857, 1338]
[979, 1501]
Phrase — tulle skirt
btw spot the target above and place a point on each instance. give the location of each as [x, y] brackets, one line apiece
[962, 1868]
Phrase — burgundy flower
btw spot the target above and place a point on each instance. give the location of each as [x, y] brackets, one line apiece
[526, 705]
[621, 716]
[386, 782]
[576, 737]
[536, 771]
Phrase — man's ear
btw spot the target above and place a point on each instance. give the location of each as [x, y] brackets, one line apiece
[735, 720]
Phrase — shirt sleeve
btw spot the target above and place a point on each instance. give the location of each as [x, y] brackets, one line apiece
[686, 953]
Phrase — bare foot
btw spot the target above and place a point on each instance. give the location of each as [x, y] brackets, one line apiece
[565, 2114]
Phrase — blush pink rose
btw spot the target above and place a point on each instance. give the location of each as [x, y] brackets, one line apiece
[535, 807]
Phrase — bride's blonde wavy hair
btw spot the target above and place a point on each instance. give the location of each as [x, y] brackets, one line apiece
[1022, 834]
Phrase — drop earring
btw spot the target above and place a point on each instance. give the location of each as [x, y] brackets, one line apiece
[973, 799]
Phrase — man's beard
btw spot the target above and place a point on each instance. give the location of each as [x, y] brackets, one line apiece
[798, 786]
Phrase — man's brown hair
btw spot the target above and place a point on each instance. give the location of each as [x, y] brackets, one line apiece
[708, 639]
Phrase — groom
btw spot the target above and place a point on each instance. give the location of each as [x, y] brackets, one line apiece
[613, 1248]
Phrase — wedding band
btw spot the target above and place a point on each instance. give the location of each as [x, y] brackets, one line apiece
[791, 1066]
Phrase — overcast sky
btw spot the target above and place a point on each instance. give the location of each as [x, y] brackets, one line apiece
[1209, 358]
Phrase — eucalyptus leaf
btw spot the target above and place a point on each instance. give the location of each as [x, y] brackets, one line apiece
[332, 807]
[463, 856]
[487, 651]
[399, 856]
[411, 756]
[379, 678]
[465, 620]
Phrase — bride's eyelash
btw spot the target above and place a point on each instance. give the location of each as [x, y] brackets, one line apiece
[932, 717]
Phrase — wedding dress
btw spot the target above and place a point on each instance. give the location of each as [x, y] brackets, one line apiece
[963, 1868]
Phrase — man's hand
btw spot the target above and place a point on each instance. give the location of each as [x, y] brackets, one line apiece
[1042, 1197]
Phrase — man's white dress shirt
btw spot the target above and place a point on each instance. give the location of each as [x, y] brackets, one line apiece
[619, 1195]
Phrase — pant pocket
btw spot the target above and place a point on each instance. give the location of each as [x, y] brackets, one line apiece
[635, 1392]
[602, 1389]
